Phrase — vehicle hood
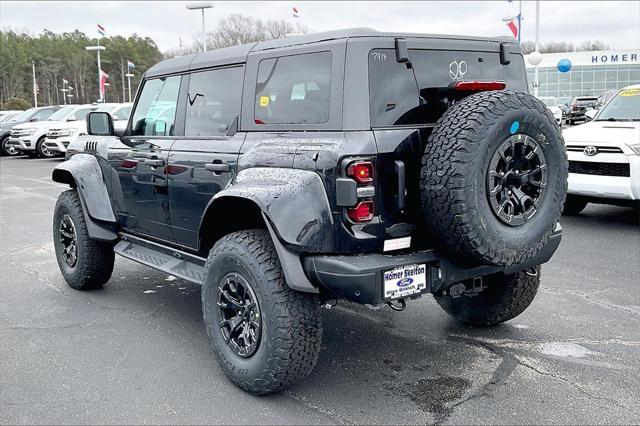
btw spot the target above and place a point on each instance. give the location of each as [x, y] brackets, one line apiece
[38, 124]
[64, 125]
[604, 132]
[555, 109]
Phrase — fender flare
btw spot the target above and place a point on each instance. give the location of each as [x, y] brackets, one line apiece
[83, 172]
[295, 209]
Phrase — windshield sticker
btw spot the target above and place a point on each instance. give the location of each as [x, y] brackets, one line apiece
[264, 101]
[630, 92]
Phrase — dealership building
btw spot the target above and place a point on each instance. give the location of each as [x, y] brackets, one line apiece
[570, 74]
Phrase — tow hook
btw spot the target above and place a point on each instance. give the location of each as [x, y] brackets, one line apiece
[400, 306]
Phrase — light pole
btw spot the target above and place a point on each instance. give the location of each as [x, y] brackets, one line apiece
[202, 6]
[97, 48]
[535, 57]
[129, 75]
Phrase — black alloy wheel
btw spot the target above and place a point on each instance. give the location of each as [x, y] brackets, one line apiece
[516, 179]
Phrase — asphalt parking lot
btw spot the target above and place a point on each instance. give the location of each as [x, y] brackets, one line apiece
[137, 352]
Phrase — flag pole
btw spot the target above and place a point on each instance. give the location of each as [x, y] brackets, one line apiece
[35, 86]
[122, 74]
[519, 19]
[99, 73]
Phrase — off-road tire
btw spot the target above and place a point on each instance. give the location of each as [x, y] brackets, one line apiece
[4, 150]
[574, 204]
[455, 198]
[291, 330]
[95, 259]
[505, 297]
[44, 153]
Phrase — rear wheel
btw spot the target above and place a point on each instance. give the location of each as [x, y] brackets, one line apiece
[8, 150]
[85, 264]
[265, 336]
[493, 178]
[42, 150]
[505, 297]
[574, 204]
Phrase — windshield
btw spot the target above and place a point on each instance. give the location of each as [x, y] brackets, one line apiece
[106, 108]
[24, 116]
[61, 114]
[625, 106]
[550, 102]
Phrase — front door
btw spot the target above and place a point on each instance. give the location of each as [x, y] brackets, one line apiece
[142, 173]
[204, 161]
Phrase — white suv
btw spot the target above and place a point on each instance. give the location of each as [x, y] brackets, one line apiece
[604, 154]
[60, 136]
[28, 138]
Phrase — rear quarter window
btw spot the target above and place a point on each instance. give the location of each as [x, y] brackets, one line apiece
[294, 89]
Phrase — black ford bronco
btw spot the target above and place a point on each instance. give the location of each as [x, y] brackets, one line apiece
[287, 174]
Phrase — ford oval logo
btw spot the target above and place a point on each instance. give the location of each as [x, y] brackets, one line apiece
[590, 150]
[405, 282]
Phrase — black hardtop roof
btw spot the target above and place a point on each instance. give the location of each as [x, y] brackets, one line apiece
[238, 54]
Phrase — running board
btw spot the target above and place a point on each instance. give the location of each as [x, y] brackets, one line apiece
[171, 261]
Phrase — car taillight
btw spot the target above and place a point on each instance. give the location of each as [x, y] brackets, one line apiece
[575, 107]
[362, 212]
[479, 86]
[361, 172]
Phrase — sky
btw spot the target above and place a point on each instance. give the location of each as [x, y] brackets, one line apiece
[616, 23]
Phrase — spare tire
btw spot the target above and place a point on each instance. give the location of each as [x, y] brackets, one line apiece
[494, 178]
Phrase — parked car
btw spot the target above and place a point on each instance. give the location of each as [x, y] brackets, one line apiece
[29, 116]
[5, 118]
[287, 174]
[563, 103]
[604, 155]
[578, 106]
[60, 136]
[554, 107]
[28, 138]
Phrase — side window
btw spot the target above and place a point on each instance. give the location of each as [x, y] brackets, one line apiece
[213, 101]
[294, 89]
[156, 108]
[122, 113]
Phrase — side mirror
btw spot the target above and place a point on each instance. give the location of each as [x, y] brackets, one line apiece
[33, 119]
[99, 124]
[71, 119]
[590, 114]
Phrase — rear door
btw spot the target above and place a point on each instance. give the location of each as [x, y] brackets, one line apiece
[142, 173]
[205, 160]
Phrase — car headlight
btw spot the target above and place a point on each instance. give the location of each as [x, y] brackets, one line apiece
[27, 131]
[635, 148]
[65, 133]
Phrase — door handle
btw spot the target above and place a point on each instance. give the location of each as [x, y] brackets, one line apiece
[154, 162]
[218, 167]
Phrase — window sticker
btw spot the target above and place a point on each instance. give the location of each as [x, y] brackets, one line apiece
[630, 92]
[264, 101]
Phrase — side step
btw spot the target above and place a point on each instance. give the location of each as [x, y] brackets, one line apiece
[171, 261]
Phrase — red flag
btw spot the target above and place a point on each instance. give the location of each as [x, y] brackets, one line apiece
[296, 12]
[103, 79]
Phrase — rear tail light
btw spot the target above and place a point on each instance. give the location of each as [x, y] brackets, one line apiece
[361, 172]
[362, 212]
[575, 107]
[479, 86]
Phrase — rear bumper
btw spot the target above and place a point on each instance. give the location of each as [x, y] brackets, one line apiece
[359, 278]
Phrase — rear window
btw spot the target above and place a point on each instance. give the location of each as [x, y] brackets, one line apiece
[294, 89]
[585, 102]
[399, 97]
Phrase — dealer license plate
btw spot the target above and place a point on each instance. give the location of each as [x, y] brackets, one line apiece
[404, 281]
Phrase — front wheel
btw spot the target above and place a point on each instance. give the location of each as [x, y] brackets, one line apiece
[42, 150]
[85, 264]
[265, 336]
[574, 204]
[505, 297]
[6, 149]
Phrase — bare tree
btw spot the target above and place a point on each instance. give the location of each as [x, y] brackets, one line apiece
[238, 29]
[563, 46]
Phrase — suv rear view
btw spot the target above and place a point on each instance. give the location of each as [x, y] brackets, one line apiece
[287, 174]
